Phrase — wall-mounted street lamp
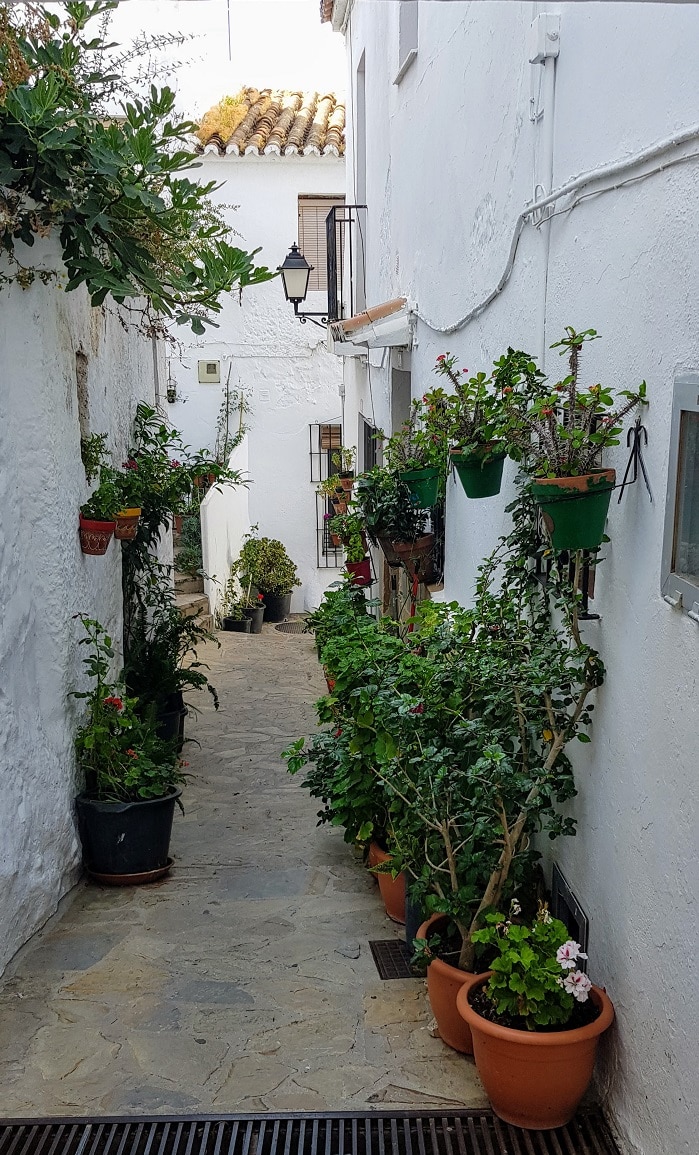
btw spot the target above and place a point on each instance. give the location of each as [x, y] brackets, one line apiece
[296, 272]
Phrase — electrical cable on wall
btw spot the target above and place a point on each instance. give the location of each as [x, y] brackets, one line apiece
[572, 186]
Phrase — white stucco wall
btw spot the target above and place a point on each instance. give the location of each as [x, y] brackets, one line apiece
[224, 522]
[452, 158]
[44, 577]
[289, 378]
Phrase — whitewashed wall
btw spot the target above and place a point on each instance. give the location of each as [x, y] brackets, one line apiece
[452, 160]
[44, 578]
[225, 520]
[289, 378]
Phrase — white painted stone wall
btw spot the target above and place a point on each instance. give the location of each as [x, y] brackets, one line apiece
[452, 159]
[225, 520]
[289, 378]
[44, 578]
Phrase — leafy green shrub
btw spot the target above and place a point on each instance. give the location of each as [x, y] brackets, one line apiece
[264, 565]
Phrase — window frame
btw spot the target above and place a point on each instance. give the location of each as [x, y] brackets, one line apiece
[677, 589]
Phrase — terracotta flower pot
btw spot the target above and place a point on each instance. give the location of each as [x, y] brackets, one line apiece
[95, 536]
[575, 508]
[388, 551]
[415, 555]
[127, 523]
[346, 483]
[392, 889]
[443, 985]
[534, 1079]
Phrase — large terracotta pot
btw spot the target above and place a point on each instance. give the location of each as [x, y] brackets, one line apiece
[443, 985]
[392, 889]
[534, 1079]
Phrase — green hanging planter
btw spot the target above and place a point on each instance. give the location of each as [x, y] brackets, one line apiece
[423, 485]
[479, 479]
[575, 508]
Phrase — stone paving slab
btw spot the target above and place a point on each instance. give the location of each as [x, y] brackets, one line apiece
[244, 982]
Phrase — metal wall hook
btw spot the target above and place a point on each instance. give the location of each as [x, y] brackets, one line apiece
[636, 438]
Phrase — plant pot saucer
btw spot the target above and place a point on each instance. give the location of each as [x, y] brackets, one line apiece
[141, 879]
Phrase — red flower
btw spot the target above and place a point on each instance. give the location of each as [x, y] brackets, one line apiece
[419, 709]
[117, 703]
[424, 398]
[175, 464]
[442, 357]
[507, 389]
[132, 753]
[546, 412]
[337, 733]
[130, 464]
[260, 597]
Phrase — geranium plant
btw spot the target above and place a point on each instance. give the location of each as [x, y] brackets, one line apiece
[559, 430]
[536, 979]
[349, 527]
[120, 755]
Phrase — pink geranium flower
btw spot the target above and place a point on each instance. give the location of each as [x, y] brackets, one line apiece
[578, 985]
[568, 954]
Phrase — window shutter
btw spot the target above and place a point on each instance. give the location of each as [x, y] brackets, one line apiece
[312, 236]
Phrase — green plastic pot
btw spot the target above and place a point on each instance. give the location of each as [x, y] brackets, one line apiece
[575, 508]
[479, 479]
[423, 485]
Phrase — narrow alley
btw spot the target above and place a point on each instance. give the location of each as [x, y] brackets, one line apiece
[244, 981]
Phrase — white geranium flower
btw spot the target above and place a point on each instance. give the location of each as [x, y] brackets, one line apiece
[515, 908]
[569, 953]
[578, 985]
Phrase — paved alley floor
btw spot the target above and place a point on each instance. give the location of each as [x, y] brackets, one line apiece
[244, 981]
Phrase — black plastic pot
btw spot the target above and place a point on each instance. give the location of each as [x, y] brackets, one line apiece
[277, 607]
[237, 625]
[255, 614]
[169, 719]
[126, 838]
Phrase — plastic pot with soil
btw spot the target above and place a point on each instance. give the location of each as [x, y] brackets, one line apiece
[277, 607]
[255, 615]
[237, 625]
[575, 508]
[126, 843]
[95, 536]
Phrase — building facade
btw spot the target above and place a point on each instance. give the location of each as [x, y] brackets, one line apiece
[279, 169]
[462, 119]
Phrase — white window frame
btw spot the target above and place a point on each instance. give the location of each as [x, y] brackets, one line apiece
[677, 589]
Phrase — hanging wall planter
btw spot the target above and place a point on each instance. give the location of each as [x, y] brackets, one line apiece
[575, 508]
[414, 555]
[127, 523]
[423, 485]
[479, 477]
[360, 571]
[95, 536]
[534, 1079]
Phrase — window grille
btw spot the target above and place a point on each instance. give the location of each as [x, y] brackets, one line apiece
[680, 563]
[369, 446]
[313, 212]
[325, 439]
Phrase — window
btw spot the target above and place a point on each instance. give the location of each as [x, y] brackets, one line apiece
[325, 439]
[368, 445]
[680, 571]
[407, 37]
[313, 211]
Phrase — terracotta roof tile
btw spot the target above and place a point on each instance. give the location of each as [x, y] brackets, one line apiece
[277, 121]
[326, 10]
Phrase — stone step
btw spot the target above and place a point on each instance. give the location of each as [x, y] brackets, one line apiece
[186, 584]
[192, 605]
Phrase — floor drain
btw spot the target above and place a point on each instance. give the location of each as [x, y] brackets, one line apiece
[392, 959]
[298, 627]
[444, 1132]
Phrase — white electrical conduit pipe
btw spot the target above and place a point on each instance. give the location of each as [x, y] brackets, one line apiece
[604, 172]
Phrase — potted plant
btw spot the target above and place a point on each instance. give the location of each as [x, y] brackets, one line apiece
[344, 460]
[129, 512]
[473, 417]
[331, 490]
[97, 515]
[132, 778]
[418, 456]
[231, 609]
[265, 566]
[253, 604]
[559, 432]
[349, 527]
[391, 519]
[161, 662]
[536, 1020]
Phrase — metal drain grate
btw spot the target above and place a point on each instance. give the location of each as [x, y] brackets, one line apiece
[392, 959]
[297, 627]
[378, 1133]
